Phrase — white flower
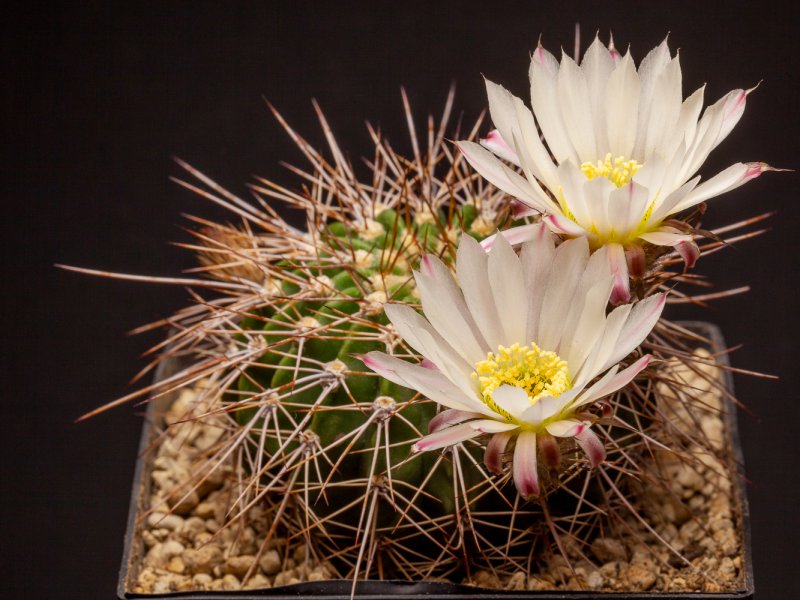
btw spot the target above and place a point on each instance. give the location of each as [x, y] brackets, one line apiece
[626, 148]
[516, 350]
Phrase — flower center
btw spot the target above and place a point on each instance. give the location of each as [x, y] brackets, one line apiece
[617, 170]
[538, 372]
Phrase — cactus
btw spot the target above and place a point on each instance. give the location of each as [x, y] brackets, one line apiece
[319, 432]
[324, 443]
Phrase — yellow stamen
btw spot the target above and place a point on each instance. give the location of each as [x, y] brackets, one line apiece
[618, 170]
[538, 372]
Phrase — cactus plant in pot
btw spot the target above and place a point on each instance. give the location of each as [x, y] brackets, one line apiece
[456, 376]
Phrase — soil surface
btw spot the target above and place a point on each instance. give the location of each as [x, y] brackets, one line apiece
[185, 547]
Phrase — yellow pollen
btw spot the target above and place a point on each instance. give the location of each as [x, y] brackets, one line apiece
[538, 372]
[617, 170]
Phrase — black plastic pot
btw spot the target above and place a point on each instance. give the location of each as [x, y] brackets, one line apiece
[386, 590]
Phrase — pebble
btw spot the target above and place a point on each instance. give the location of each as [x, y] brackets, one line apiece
[642, 576]
[204, 510]
[230, 582]
[319, 573]
[270, 562]
[518, 581]
[536, 584]
[595, 580]
[610, 570]
[176, 565]
[182, 503]
[608, 549]
[258, 582]
[202, 560]
[165, 521]
[239, 565]
[286, 578]
[202, 580]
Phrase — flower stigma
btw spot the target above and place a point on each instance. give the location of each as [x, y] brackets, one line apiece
[618, 170]
[538, 372]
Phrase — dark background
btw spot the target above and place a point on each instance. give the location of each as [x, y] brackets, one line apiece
[96, 101]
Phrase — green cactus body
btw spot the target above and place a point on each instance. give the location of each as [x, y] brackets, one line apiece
[326, 315]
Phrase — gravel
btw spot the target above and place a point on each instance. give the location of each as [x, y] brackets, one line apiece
[186, 549]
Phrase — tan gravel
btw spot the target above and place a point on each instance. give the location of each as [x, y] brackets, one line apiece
[186, 549]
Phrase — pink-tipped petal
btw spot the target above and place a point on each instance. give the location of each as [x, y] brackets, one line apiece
[495, 449]
[520, 210]
[634, 257]
[563, 225]
[592, 446]
[445, 437]
[621, 292]
[526, 476]
[551, 453]
[495, 144]
[689, 253]
[428, 364]
[612, 381]
[449, 417]
[426, 266]
[729, 179]
[513, 235]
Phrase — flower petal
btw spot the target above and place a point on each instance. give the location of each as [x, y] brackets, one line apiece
[495, 449]
[666, 236]
[597, 66]
[526, 476]
[569, 263]
[410, 325]
[444, 307]
[495, 144]
[514, 235]
[547, 406]
[536, 257]
[664, 109]
[431, 384]
[511, 399]
[604, 348]
[689, 253]
[472, 269]
[715, 124]
[627, 207]
[621, 292]
[650, 70]
[687, 124]
[509, 181]
[492, 426]
[565, 428]
[507, 285]
[550, 450]
[449, 417]
[622, 105]
[563, 225]
[725, 181]
[546, 104]
[592, 446]
[573, 92]
[641, 320]
[589, 324]
[611, 382]
[445, 437]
